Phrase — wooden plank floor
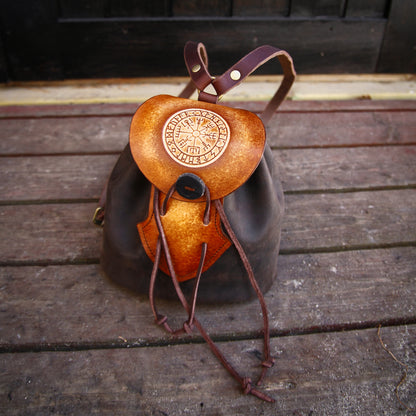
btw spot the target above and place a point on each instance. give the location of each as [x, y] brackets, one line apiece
[72, 343]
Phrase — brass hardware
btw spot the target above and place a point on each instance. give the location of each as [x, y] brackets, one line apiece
[235, 75]
[98, 218]
[196, 68]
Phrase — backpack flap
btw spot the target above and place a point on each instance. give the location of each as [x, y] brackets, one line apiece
[170, 136]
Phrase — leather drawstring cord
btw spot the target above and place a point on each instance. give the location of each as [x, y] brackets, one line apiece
[269, 360]
[245, 382]
[162, 319]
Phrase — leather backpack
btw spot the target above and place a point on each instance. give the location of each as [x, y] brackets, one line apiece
[193, 207]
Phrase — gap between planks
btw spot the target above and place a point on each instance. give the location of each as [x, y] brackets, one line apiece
[283, 252]
[122, 343]
[277, 148]
[328, 191]
[116, 110]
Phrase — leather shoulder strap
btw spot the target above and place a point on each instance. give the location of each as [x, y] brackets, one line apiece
[197, 64]
[196, 60]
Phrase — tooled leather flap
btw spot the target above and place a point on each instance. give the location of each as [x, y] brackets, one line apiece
[170, 136]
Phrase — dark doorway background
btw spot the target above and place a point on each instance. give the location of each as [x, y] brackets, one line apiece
[72, 39]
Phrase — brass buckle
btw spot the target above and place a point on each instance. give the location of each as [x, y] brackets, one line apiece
[98, 218]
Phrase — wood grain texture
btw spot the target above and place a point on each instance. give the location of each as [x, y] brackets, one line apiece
[343, 373]
[313, 222]
[74, 306]
[97, 38]
[261, 7]
[398, 38]
[373, 8]
[72, 343]
[346, 169]
[64, 135]
[317, 8]
[342, 129]
[201, 8]
[75, 177]
[341, 221]
[295, 128]
[56, 111]
[315, 45]
[96, 47]
[56, 232]
[52, 178]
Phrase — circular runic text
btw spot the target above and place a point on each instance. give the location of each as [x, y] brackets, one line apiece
[195, 137]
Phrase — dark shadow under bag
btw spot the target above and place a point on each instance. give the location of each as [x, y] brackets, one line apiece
[194, 204]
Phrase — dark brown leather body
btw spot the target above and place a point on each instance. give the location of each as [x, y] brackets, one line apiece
[254, 210]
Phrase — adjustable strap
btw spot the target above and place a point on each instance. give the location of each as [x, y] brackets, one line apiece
[200, 77]
[196, 63]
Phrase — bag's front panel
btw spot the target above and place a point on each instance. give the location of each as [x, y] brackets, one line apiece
[185, 233]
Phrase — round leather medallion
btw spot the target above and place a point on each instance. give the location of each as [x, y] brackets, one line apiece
[195, 137]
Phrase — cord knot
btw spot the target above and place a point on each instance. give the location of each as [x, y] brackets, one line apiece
[188, 328]
[247, 386]
[161, 319]
[268, 363]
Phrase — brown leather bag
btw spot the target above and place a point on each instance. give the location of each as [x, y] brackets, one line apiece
[194, 202]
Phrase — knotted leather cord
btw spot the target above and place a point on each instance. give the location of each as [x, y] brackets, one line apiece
[269, 360]
[162, 319]
[245, 382]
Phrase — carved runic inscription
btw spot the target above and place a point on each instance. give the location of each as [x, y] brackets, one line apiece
[195, 137]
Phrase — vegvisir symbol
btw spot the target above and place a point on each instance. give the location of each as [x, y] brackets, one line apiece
[195, 137]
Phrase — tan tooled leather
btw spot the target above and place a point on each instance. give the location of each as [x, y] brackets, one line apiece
[185, 233]
[170, 136]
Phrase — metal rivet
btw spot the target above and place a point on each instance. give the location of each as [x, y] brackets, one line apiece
[235, 75]
[196, 68]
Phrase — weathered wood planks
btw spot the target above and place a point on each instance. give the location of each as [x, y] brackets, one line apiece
[340, 373]
[313, 222]
[83, 176]
[64, 135]
[287, 129]
[72, 343]
[342, 129]
[56, 111]
[73, 306]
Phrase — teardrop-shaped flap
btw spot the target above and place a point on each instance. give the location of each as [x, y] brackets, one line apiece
[170, 136]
